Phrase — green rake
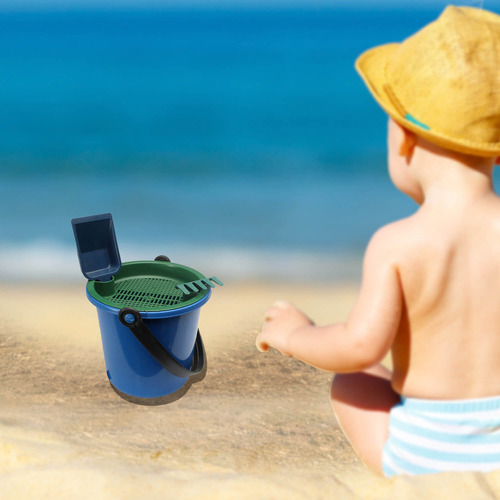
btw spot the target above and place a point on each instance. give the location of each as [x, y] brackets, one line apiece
[198, 285]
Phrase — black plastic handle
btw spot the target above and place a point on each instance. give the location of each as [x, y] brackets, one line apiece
[156, 349]
[162, 258]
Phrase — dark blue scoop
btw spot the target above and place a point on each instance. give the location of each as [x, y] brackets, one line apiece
[97, 247]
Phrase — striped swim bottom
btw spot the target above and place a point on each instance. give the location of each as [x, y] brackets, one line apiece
[429, 436]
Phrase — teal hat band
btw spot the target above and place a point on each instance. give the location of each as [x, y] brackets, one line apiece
[412, 119]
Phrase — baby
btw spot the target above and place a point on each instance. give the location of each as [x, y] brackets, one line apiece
[430, 292]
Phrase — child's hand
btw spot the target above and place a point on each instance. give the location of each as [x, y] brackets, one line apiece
[279, 322]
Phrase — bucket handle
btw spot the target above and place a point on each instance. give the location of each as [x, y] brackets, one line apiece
[132, 319]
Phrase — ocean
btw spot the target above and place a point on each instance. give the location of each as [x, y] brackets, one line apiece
[240, 142]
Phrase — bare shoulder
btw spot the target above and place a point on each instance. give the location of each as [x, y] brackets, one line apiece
[491, 213]
[391, 241]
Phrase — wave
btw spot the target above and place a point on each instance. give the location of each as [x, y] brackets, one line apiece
[47, 261]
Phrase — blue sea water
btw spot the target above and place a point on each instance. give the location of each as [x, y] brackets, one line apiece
[240, 142]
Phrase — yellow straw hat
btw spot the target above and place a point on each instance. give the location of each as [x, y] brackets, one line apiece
[443, 83]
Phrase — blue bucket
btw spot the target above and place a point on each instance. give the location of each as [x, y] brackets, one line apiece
[133, 370]
[130, 366]
[148, 315]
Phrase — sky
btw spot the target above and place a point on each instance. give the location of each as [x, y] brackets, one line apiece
[77, 4]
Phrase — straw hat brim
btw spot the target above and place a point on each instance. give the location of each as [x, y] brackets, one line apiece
[371, 65]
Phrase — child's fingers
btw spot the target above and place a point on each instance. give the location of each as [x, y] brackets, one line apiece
[262, 346]
[271, 313]
[282, 304]
[260, 343]
[278, 307]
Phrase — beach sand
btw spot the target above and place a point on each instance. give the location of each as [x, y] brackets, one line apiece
[258, 426]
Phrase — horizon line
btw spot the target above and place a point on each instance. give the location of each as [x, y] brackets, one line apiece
[44, 5]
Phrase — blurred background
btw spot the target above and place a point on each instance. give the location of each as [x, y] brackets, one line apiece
[233, 136]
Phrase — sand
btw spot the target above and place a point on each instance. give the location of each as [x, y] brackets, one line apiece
[258, 426]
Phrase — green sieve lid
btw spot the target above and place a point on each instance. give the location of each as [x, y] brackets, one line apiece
[148, 286]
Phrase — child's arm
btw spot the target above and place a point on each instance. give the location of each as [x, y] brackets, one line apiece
[368, 333]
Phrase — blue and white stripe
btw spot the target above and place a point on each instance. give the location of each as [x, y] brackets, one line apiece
[427, 436]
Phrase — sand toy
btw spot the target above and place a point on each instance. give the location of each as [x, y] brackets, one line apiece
[148, 315]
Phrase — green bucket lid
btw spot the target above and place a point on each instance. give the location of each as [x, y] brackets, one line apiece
[149, 286]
